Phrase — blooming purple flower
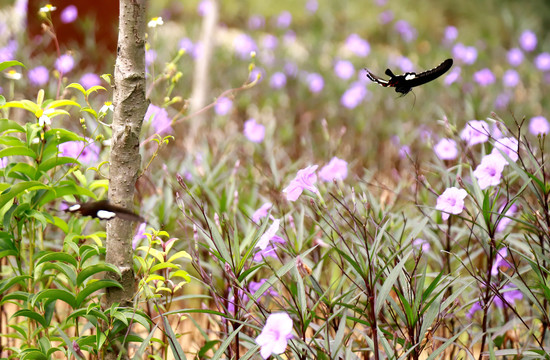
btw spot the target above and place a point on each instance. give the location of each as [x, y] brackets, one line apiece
[528, 40]
[261, 212]
[243, 299]
[466, 54]
[336, 169]
[505, 220]
[500, 261]
[187, 45]
[407, 31]
[269, 234]
[277, 80]
[269, 42]
[315, 82]
[312, 6]
[489, 171]
[223, 106]
[385, 17]
[344, 69]
[405, 64]
[304, 180]
[140, 234]
[353, 95]
[64, 63]
[39, 76]
[159, 119]
[270, 250]
[542, 61]
[291, 69]
[256, 22]
[284, 19]
[453, 76]
[358, 45]
[421, 244]
[150, 57]
[510, 78]
[275, 335]
[510, 296]
[404, 151]
[538, 125]
[244, 45]
[509, 146]
[484, 77]
[255, 286]
[204, 7]
[502, 100]
[253, 131]
[89, 80]
[475, 132]
[69, 14]
[446, 149]
[451, 33]
[475, 307]
[451, 202]
[515, 57]
[85, 152]
[257, 74]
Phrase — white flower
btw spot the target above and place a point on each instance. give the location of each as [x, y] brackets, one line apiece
[156, 21]
[47, 8]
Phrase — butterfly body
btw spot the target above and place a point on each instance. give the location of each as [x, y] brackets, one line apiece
[103, 210]
[404, 83]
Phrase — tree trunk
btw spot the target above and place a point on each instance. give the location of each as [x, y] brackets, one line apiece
[125, 161]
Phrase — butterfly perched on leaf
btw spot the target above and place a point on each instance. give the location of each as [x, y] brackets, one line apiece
[103, 210]
[404, 83]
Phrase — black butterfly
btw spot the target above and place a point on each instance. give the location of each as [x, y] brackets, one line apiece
[104, 210]
[404, 83]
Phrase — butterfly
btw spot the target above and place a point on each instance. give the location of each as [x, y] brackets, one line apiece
[103, 210]
[404, 83]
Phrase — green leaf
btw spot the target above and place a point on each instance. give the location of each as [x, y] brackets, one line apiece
[177, 351]
[389, 282]
[6, 125]
[76, 86]
[93, 287]
[18, 188]
[56, 294]
[57, 256]
[56, 161]
[58, 103]
[94, 269]
[94, 89]
[6, 64]
[32, 315]
[17, 151]
[6, 284]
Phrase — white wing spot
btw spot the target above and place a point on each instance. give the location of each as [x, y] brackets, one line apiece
[105, 215]
[74, 207]
[410, 76]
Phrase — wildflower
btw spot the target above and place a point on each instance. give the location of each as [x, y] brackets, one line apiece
[270, 42]
[243, 299]
[312, 6]
[159, 119]
[467, 54]
[336, 169]
[446, 149]
[3, 162]
[344, 69]
[489, 171]
[509, 146]
[269, 234]
[453, 76]
[47, 8]
[107, 106]
[500, 261]
[69, 14]
[315, 82]
[64, 63]
[475, 307]
[244, 45]
[186, 44]
[451, 33]
[86, 152]
[13, 75]
[140, 234]
[385, 17]
[154, 22]
[256, 22]
[502, 100]
[354, 95]
[204, 7]
[542, 61]
[538, 125]
[39, 76]
[528, 40]
[357, 45]
[510, 78]
[515, 57]
[509, 296]
[304, 180]
[421, 244]
[255, 286]
[484, 77]
[284, 19]
[253, 131]
[278, 80]
[475, 132]
[505, 220]
[150, 57]
[451, 202]
[44, 119]
[223, 106]
[275, 335]
[261, 212]
[405, 64]
[404, 151]
[270, 250]
[406, 30]
[89, 80]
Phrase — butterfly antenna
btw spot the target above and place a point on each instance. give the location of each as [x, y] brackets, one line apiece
[414, 102]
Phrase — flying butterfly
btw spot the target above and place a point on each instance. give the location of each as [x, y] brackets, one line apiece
[404, 83]
[103, 210]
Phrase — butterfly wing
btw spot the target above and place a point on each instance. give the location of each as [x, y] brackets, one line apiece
[429, 75]
[377, 79]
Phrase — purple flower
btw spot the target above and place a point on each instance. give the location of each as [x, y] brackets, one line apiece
[515, 57]
[159, 119]
[407, 32]
[204, 7]
[484, 77]
[312, 6]
[269, 234]
[140, 234]
[502, 100]
[336, 169]
[39, 76]
[405, 64]
[256, 22]
[475, 132]
[453, 76]
[256, 74]
[510, 78]
[467, 54]
[542, 61]
[187, 45]
[404, 151]
[344, 69]
[269, 42]
[270, 250]
[223, 106]
[509, 146]
[86, 153]
[385, 17]
[358, 45]
[255, 286]
[150, 57]
[284, 19]
[275, 335]
[291, 69]
[446, 149]
[304, 180]
[509, 296]
[69, 14]
[451, 202]
[278, 80]
[244, 45]
[3, 162]
[262, 212]
[315, 82]
[421, 244]
[538, 125]
[489, 171]
[253, 131]
[500, 261]
[89, 80]
[505, 220]
[243, 299]
[528, 40]
[354, 95]
[64, 63]
[475, 307]
[451, 33]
